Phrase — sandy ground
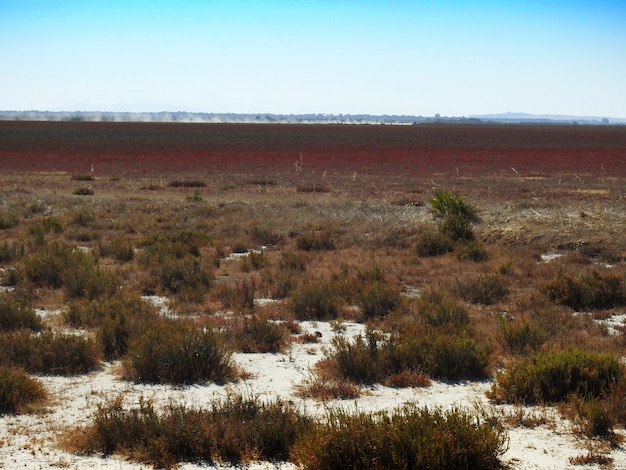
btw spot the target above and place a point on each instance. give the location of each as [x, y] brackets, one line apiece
[30, 441]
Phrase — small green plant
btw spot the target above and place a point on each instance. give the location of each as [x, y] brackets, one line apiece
[18, 391]
[119, 248]
[446, 203]
[7, 220]
[521, 336]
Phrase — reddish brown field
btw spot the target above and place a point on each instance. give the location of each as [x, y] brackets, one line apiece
[151, 149]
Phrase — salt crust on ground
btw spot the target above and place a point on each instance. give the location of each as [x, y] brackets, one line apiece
[30, 441]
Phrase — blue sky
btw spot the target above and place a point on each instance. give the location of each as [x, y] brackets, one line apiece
[454, 58]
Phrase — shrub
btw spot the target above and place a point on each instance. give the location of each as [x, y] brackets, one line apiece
[375, 358]
[436, 310]
[186, 278]
[551, 376]
[315, 302]
[433, 244]
[16, 315]
[446, 203]
[377, 300]
[117, 319]
[253, 261]
[7, 220]
[50, 353]
[316, 241]
[231, 430]
[486, 290]
[256, 334]
[168, 351]
[187, 184]
[471, 250]
[18, 391]
[406, 438]
[83, 191]
[592, 290]
[119, 248]
[521, 337]
[11, 251]
[457, 228]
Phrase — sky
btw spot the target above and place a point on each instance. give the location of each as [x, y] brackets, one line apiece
[453, 58]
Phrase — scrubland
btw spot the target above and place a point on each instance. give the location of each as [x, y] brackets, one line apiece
[515, 283]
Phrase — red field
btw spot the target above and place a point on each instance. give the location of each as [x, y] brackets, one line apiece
[422, 150]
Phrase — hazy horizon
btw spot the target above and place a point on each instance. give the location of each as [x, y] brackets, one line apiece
[393, 57]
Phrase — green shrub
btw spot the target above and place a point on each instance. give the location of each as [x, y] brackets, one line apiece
[471, 250]
[11, 251]
[437, 310]
[117, 319]
[168, 351]
[457, 228]
[521, 337]
[440, 353]
[7, 220]
[446, 203]
[16, 315]
[433, 244]
[186, 278]
[316, 241]
[406, 438]
[119, 248]
[50, 353]
[551, 376]
[377, 300]
[592, 290]
[290, 261]
[486, 290]
[316, 301]
[231, 430]
[18, 391]
[253, 261]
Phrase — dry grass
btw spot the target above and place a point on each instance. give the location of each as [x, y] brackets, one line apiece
[325, 247]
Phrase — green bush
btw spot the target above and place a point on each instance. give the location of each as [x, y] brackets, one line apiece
[18, 391]
[435, 309]
[119, 248]
[231, 430]
[16, 315]
[7, 220]
[11, 251]
[406, 438]
[592, 290]
[446, 203]
[457, 228]
[471, 250]
[552, 376]
[440, 353]
[317, 301]
[50, 353]
[117, 319]
[186, 278]
[378, 299]
[521, 337]
[168, 351]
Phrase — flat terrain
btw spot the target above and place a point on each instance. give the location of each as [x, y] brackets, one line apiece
[249, 203]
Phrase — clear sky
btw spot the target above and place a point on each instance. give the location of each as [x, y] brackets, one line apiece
[455, 58]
